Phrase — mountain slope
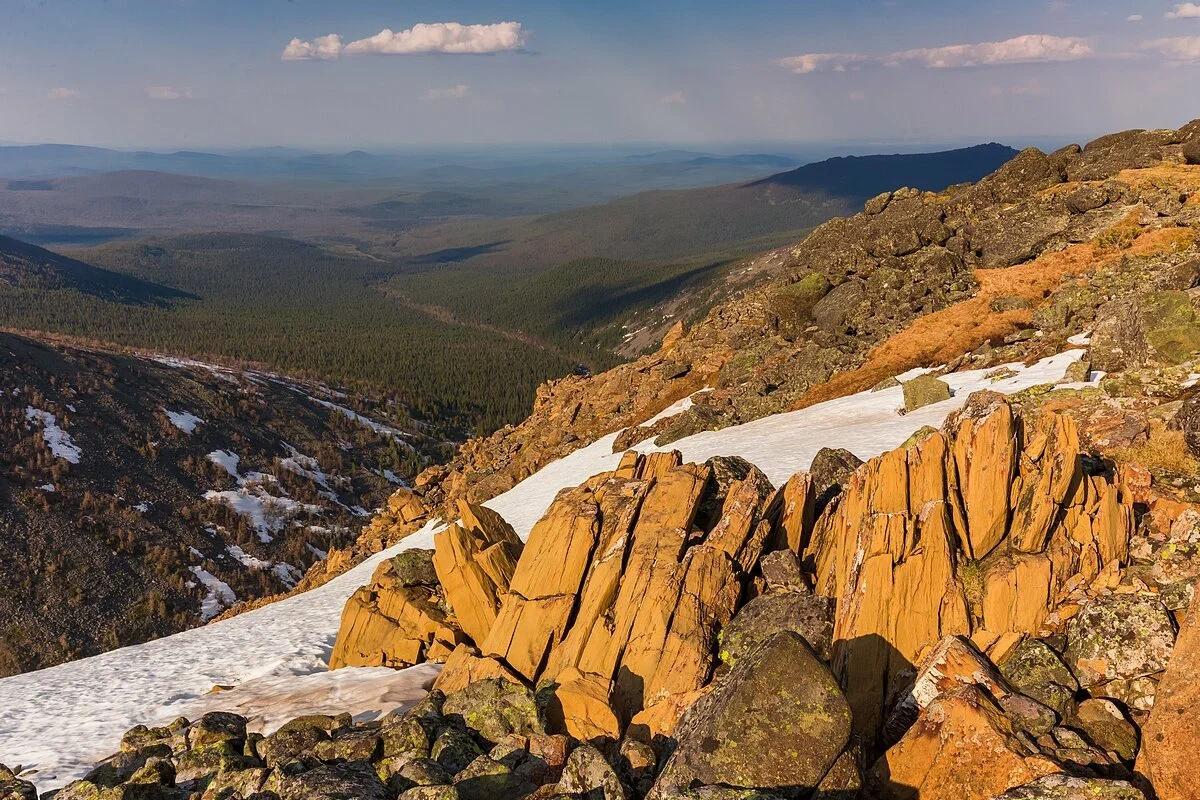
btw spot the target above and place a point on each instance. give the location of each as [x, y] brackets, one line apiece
[140, 495]
[631, 254]
[28, 267]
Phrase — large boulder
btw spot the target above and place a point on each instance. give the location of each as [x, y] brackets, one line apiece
[1035, 669]
[769, 614]
[1154, 328]
[924, 390]
[344, 781]
[1171, 736]
[495, 708]
[1187, 419]
[1119, 637]
[778, 720]
[829, 471]
[474, 559]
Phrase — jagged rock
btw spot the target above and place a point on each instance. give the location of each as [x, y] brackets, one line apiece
[1119, 637]
[587, 773]
[954, 663]
[613, 603]
[767, 615]
[474, 559]
[396, 620]
[1171, 736]
[990, 509]
[13, 788]
[1069, 787]
[494, 708]
[348, 781]
[924, 390]
[465, 666]
[962, 747]
[724, 738]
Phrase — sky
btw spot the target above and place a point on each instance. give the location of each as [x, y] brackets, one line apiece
[194, 74]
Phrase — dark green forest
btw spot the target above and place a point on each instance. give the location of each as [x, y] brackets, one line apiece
[297, 308]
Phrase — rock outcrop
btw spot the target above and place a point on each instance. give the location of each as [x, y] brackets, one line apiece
[1171, 736]
[980, 530]
[398, 619]
[623, 587]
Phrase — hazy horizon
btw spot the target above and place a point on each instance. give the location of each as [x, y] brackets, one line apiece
[219, 75]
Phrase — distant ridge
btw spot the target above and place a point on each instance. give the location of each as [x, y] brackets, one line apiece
[864, 176]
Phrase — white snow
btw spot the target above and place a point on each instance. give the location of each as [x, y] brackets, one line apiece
[286, 573]
[247, 560]
[142, 507]
[266, 513]
[219, 597]
[58, 440]
[305, 467]
[1082, 339]
[47, 487]
[183, 420]
[63, 719]
[378, 427]
[227, 460]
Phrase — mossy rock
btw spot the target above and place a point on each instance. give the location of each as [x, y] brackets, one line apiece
[1036, 670]
[414, 568]
[792, 305]
[925, 390]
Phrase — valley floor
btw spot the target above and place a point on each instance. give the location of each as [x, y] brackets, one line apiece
[60, 721]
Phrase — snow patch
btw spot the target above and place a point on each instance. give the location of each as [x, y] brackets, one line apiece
[219, 597]
[228, 461]
[183, 420]
[63, 719]
[58, 440]
[266, 513]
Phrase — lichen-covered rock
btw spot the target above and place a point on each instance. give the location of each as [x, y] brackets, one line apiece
[1069, 787]
[587, 773]
[924, 390]
[1187, 419]
[14, 788]
[454, 749]
[1119, 637]
[779, 700]
[430, 793]
[769, 614]
[830, 469]
[495, 708]
[1152, 328]
[487, 779]
[343, 781]
[1035, 669]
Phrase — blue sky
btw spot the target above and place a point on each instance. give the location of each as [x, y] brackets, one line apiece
[213, 73]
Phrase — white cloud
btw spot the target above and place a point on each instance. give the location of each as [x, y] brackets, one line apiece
[322, 48]
[457, 92]
[674, 99]
[1185, 11]
[1180, 49]
[1134, 18]
[62, 93]
[168, 93]
[443, 37]
[808, 63]
[1028, 49]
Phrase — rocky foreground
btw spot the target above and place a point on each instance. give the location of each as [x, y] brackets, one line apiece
[1002, 608]
[984, 612]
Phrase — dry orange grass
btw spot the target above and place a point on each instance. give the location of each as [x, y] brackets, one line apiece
[944, 335]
